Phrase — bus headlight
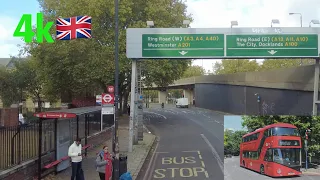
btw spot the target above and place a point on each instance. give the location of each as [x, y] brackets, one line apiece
[279, 171]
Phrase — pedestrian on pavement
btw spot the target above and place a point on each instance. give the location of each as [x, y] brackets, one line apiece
[76, 159]
[104, 164]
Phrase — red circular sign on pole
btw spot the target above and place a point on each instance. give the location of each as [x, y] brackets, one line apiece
[110, 89]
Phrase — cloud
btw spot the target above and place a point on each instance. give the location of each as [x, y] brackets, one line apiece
[250, 13]
[8, 43]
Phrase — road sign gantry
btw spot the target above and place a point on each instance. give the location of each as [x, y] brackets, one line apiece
[222, 43]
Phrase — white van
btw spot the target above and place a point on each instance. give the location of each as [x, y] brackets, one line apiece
[182, 102]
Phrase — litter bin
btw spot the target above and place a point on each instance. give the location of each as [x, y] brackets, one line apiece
[123, 160]
[122, 165]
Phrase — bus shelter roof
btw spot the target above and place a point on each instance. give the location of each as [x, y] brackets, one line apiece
[67, 113]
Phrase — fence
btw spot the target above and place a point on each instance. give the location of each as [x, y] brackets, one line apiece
[20, 143]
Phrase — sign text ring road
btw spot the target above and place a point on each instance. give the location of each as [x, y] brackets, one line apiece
[222, 43]
[168, 45]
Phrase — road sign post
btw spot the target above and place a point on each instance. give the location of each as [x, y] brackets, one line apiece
[107, 99]
[110, 89]
[98, 100]
[222, 43]
[132, 104]
[295, 45]
[226, 43]
[180, 45]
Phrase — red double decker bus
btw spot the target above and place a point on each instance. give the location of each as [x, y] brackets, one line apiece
[274, 150]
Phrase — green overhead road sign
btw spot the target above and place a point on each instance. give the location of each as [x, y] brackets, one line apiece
[297, 45]
[179, 45]
[222, 43]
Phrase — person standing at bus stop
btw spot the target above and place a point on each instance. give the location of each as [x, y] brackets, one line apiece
[76, 159]
[104, 164]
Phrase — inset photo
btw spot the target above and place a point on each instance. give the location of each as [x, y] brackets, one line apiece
[266, 147]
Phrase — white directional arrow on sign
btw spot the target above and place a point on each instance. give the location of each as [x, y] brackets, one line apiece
[107, 98]
[272, 52]
[183, 52]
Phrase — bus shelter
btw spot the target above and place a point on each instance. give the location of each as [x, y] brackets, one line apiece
[68, 124]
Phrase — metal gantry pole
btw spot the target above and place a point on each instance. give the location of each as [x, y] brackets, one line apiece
[132, 100]
[116, 92]
[316, 88]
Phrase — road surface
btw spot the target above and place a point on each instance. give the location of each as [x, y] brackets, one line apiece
[190, 144]
[233, 171]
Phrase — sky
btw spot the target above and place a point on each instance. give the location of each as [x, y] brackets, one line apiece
[206, 14]
[233, 122]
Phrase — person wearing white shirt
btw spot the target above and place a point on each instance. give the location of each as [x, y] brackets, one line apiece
[76, 159]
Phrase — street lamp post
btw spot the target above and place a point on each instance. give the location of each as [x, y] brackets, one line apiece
[186, 23]
[300, 17]
[235, 23]
[116, 92]
[150, 24]
[274, 21]
[300, 26]
[314, 21]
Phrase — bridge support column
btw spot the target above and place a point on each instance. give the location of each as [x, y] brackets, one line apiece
[188, 93]
[162, 97]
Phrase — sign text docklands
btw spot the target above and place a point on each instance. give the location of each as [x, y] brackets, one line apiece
[222, 43]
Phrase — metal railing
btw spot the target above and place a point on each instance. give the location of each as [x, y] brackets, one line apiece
[20, 143]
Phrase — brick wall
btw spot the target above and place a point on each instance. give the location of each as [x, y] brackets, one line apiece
[9, 117]
[83, 102]
[27, 170]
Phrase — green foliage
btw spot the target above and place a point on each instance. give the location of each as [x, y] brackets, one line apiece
[232, 140]
[284, 63]
[301, 122]
[176, 93]
[225, 140]
[228, 66]
[164, 72]
[193, 71]
[79, 66]
[8, 87]
[19, 82]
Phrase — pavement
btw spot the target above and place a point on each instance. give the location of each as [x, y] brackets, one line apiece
[136, 158]
[190, 144]
[233, 171]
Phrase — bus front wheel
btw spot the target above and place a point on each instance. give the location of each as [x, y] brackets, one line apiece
[261, 169]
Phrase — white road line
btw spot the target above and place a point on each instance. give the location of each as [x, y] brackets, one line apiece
[148, 172]
[161, 152]
[214, 152]
[157, 114]
[190, 151]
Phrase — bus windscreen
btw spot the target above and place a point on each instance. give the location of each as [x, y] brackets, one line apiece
[283, 131]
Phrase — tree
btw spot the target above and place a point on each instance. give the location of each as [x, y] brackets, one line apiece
[225, 140]
[232, 141]
[301, 122]
[231, 66]
[29, 81]
[77, 67]
[228, 66]
[165, 72]
[193, 71]
[284, 63]
[8, 87]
